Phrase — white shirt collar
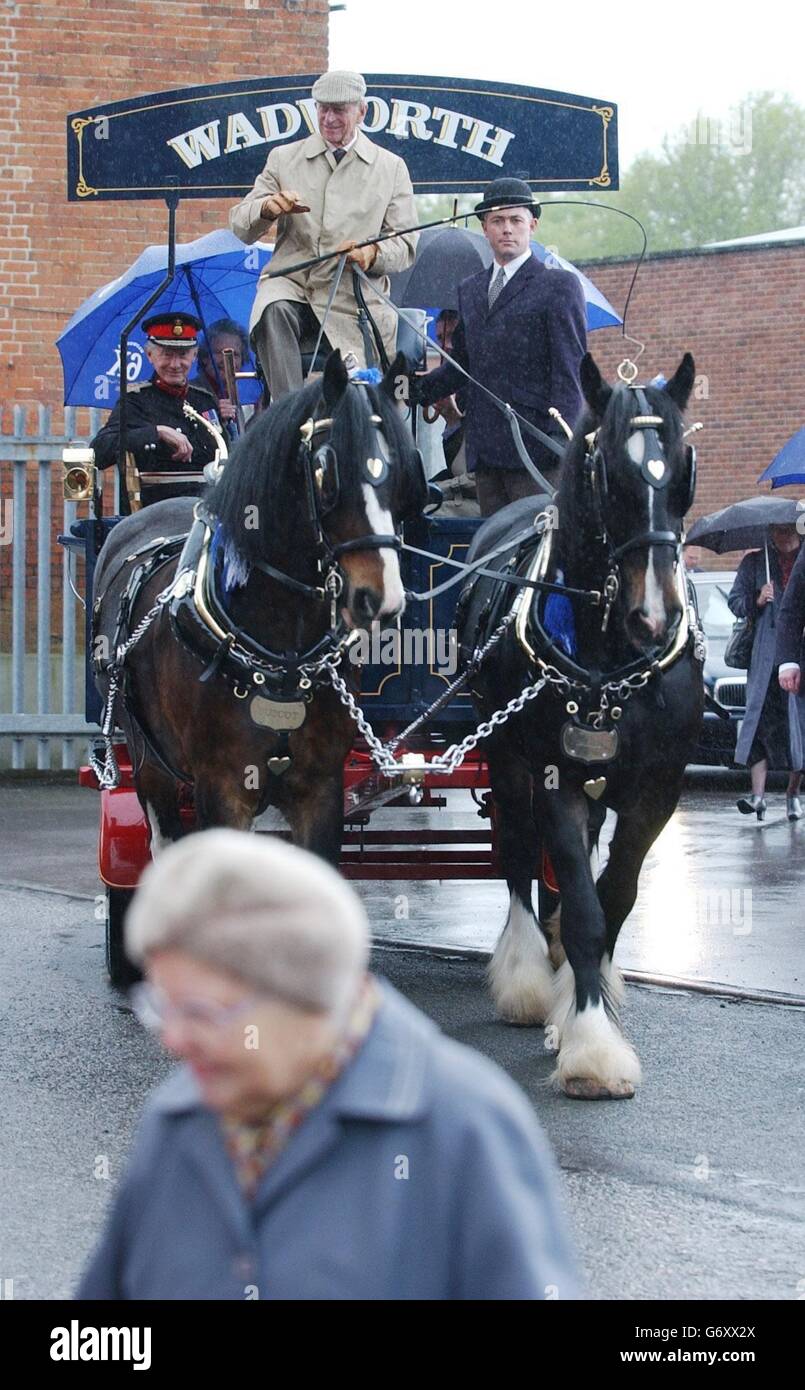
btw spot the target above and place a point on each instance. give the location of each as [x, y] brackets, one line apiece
[342, 147]
[512, 267]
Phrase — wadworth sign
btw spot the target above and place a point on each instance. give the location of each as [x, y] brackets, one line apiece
[455, 135]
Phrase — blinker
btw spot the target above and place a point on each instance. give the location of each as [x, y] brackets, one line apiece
[325, 473]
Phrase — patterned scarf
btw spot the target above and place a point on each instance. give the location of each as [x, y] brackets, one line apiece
[178, 391]
[253, 1146]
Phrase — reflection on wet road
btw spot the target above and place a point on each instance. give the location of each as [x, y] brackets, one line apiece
[721, 896]
[721, 899]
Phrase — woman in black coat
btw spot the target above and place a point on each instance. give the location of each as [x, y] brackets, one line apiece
[773, 731]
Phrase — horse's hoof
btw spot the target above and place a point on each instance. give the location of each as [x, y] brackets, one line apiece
[580, 1088]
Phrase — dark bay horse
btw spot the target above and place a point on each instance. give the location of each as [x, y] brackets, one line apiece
[614, 725]
[225, 690]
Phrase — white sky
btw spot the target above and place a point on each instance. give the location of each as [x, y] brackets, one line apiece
[660, 62]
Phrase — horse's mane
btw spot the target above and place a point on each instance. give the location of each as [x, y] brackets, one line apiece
[261, 471]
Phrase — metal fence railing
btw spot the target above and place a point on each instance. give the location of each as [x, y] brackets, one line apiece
[41, 620]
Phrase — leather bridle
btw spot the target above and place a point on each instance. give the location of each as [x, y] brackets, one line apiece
[319, 466]
[655, 471]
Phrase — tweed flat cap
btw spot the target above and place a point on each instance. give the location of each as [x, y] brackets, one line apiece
[339, 86]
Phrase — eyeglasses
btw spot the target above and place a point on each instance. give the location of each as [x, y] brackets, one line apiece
[154, 1009]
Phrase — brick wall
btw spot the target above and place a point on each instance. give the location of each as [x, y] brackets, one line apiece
[58, 56]
[741, 312]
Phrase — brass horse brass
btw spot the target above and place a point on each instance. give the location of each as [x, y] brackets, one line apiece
[589, 745]
[278, 714]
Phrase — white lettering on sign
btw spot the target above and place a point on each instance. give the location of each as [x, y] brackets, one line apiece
[451, 120]
[309, 114]
[411, 115]
[404, 120]
[491, 136]
[270, 116]
[241, 134]
[377, 115]
[198, 144]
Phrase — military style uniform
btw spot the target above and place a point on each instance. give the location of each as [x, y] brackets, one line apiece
[148, 405]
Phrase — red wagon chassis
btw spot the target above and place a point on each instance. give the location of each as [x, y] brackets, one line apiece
[406, 852]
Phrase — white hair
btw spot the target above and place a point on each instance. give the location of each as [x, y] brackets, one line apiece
[275, 916]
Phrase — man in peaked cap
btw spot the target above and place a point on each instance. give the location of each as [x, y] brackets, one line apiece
[158, 433]
[325, 193]
[522, 332]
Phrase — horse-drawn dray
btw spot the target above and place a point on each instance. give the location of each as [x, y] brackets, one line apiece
[548, 661]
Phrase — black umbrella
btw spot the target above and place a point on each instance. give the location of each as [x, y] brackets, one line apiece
[445, 256]
[744, 525]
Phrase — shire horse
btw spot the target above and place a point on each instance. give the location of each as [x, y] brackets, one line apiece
[614, 725]
[222, 690]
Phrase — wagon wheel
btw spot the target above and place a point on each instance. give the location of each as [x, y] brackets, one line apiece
[122, 972]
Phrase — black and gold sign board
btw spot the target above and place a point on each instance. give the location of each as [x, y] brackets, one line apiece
[456, 135]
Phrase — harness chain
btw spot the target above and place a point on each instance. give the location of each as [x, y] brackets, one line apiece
[108, 772]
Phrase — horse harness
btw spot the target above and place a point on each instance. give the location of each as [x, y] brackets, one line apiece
[278, 685]
[594, 699]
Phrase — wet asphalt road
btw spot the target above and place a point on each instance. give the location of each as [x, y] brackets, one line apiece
[693, 1190]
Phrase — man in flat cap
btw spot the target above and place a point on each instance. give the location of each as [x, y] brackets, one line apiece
[522, 332]
[325, 193]
[161, 437]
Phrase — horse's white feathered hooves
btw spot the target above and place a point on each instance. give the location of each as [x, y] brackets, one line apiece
[519, 973]
[595, 1060]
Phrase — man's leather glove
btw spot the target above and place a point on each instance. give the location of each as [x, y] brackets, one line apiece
[363, 256]
[281, 202]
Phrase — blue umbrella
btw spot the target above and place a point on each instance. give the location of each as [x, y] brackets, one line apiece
[446, 256]
[600, 313]
[789, 465]
[216, 277]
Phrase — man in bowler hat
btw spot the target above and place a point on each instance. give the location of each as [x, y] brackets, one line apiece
[522, 333]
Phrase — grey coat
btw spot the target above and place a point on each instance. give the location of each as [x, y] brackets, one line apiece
[749, 581]
[422, 1174]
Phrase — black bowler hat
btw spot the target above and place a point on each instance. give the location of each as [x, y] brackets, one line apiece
[507, 193]
[173, 330]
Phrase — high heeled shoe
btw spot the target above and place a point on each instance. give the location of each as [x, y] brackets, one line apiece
[793, 807]
[752, 806]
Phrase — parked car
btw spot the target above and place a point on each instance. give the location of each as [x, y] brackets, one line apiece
[725, 688]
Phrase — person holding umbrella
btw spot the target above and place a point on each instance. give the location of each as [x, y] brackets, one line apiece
[773, 728]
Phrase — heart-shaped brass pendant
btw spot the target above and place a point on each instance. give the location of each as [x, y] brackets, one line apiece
[595, 787]
[375, 467]
[278, 765]
[656, 468]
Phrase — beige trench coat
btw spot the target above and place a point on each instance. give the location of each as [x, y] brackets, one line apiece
[369, 192]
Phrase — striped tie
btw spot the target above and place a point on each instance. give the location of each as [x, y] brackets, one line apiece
[497, 285]
[338, 155]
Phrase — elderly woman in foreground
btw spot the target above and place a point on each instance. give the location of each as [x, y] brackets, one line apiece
[322, 1139]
